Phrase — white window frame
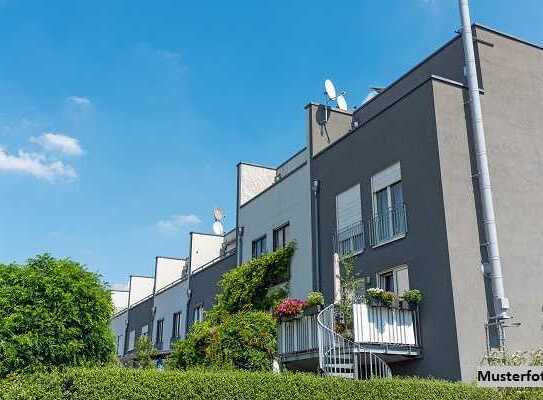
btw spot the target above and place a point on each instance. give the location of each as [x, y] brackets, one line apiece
[359, 220]
[198, 314]
[394, 270]
[381, 181]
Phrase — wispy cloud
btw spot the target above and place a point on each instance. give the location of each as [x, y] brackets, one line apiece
[36, 165]
[79, 101]
[59, 143]
[176, 222]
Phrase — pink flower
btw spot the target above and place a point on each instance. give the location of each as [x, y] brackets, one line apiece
[290, 307]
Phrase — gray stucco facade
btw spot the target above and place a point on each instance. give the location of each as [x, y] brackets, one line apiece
[203, 285]
[286, 202]
[422, 122]
[139, 316]
[170, 300]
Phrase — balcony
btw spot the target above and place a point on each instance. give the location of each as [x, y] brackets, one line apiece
[381, 229]
[388, 226]
[350, 240]
[387, 330]
[297, 338]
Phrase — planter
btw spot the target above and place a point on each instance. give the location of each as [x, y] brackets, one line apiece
[312, 310]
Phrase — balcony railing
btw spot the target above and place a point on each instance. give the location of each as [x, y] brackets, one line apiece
[350, 240]
[297, 335]
[388, 226]
[380, 228]
[386, 327]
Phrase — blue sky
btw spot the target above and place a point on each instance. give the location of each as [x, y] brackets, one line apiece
[121, 122]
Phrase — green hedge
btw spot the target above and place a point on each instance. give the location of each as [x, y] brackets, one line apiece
[131, 384]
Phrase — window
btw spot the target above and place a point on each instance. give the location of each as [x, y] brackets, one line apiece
[120, 345]
[198, 314]
[280, 237]
[389, 221]
[394, 280]
[159, 332]
[131, 340]
[259, 246]
[349, 237]
[176, 328]
[145, 330]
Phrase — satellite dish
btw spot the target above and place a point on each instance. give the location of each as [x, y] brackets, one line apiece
[218, 214]
[330, 89]
[218, 229]
[341, 103]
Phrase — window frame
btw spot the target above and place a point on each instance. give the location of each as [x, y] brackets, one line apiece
[159, 336]
[176, 323]
[393, 179]
[284, 229]
[394, 271]
[262, 241]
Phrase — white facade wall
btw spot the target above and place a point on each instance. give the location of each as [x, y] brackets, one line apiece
[289, 200]
[140, 288]
[204, 248]
[253, 180]
[118, 326]
[168, 270]
[167, 302]
[119, 299]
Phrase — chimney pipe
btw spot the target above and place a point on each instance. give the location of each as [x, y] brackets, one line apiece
[500, 302]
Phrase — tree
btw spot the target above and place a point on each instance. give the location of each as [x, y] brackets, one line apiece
[53, 313]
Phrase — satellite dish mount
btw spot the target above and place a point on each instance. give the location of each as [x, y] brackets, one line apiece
[218, 228]
[331, 94]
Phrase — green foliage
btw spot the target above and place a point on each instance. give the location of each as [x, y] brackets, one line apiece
[315, 299]
[501, 358]
[246, 286]
[239, 331]
[244, 340]
[145, 353]
[136, 384]
[350, 284]
[53, 312]
[413, 296]
[388, 298]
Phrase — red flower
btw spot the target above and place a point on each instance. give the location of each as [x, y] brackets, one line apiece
[290, 308]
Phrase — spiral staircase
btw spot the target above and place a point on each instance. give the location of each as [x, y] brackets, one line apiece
[341, 357]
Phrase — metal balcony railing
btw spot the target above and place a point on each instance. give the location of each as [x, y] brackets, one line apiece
[341, 357]
[298, 335]
[386, 326]
[388, 226]
[350, 240]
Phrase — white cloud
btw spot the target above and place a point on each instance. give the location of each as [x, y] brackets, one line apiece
[79, 100]
[36, 165]
[59, 143]
[176, 222]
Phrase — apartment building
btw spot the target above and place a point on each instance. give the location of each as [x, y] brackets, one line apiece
[394, 184]
[274, 209]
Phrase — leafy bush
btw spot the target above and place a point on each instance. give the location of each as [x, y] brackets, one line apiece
[413, 296]
[315, 299]
[243, 340]
[53, 312]
[246, 286]
[136, 384]
[145, 353]
[380, 295]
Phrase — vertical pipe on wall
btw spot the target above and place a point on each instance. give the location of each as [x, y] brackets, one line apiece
[500, 302]
[317, 269]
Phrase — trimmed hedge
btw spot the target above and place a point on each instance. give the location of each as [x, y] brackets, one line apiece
[131, 384]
